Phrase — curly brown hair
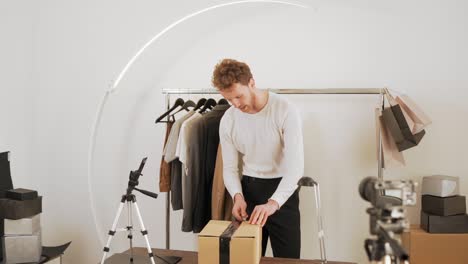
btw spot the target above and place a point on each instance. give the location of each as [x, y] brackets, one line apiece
[230, 71]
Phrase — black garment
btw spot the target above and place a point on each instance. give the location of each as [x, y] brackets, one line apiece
[284, 226]
[5, 184]
[201, 164]
[176, 184]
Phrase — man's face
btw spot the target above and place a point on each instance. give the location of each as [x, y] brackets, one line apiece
[240, 96]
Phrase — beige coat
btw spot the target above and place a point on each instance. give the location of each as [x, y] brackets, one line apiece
[221, 202]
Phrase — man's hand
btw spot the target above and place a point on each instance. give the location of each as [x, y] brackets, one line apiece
[261, 212]
[239, 208]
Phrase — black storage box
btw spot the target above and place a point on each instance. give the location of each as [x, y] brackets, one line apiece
[444, 206]
[13, 209]
[21, 194]
[454, 224]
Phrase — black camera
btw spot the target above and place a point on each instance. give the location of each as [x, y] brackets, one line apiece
[133, 182]
[135, 175]
[387, 216]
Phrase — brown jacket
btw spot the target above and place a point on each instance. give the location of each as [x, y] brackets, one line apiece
[165, 168]
[221, 202]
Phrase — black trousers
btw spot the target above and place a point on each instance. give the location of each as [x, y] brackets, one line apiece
[283, 227]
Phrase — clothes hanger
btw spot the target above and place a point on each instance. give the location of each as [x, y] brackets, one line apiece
[209, 104]
[186, 106]
[200, 103]
[223, 101]
[177, 103]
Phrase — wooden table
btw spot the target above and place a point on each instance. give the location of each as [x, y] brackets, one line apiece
[191, 257]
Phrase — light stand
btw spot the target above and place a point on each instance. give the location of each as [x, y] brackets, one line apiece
[309, 182]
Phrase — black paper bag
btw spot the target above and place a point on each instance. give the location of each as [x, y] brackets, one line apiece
[5, 174]
[5, 184]
[398, 127]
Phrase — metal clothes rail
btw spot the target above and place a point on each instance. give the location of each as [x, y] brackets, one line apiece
[344, 91]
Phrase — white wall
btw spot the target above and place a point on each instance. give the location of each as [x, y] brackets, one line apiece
[16, 56]
[80, 47]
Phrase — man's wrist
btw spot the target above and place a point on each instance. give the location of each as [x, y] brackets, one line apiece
[238, 196]
[274, 203]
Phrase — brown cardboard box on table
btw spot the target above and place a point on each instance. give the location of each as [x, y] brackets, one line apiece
[220, 243]
[427, 248]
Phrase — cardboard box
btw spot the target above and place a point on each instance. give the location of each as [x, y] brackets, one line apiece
[444, 224]
[444, 206]
[24, 226]
[440, 185]
[426, 248]
[22, 249]
[13, 209]
[224, 242]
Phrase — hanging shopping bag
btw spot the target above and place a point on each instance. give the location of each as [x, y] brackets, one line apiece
[398, 127]
[392, 157]
[393, 102]
[420, 119]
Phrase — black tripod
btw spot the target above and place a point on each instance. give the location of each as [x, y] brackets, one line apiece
[130, 199]
[377, 249]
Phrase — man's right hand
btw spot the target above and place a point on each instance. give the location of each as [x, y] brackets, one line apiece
[239, 208]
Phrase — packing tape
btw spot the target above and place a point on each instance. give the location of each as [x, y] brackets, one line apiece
[225, 241]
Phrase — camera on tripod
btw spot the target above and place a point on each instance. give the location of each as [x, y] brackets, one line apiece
[133, 182]
[387, 217]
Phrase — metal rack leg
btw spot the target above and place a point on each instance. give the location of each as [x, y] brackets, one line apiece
[168, 209]
[168, 222]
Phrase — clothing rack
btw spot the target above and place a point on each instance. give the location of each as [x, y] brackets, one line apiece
[344, 91]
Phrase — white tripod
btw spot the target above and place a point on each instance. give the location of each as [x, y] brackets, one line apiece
[130, 200]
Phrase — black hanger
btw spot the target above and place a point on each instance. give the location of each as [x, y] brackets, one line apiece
[210, 103]
[200, 103]
[177, 103]
[223, 101]
[186, 106]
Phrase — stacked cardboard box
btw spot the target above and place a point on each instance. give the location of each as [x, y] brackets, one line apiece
[443, 208]
[20, 211]
[443, 234]
[22, 228]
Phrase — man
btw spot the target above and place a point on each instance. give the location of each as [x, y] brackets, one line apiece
[261, 137]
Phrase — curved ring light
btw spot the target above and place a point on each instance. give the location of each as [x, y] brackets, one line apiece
[113, 88]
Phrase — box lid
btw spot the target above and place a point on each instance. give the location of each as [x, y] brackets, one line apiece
[247, 230]
[215, 228]
[441, 177]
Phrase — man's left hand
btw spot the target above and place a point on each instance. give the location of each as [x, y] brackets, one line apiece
[261, 213]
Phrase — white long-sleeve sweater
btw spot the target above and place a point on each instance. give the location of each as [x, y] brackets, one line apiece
[268, 144]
